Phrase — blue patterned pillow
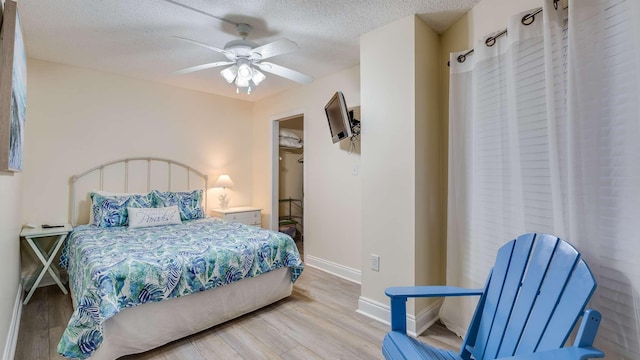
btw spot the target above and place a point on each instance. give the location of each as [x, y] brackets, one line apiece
[189, 203]
[110, 211]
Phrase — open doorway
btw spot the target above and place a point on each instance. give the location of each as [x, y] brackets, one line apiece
[290, 178]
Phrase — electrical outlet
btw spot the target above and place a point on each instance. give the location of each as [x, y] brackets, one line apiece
[375, 262]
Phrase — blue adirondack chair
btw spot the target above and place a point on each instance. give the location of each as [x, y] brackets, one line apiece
[536, 292]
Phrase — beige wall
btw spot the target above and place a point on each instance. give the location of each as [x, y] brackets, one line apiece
[430, 203]
[492, 15]
[332, 198]
[80, 118]
[10, 224]
[401, 159]
[388, 149]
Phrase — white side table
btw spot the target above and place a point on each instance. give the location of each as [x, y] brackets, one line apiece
[248, 215]
[46, 257]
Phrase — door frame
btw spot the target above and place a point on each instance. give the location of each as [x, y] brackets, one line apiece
[275, 162]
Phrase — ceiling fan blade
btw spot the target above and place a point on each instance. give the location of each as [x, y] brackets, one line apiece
[226, 53]
[271, 49]
[284, 72]
[202, 67]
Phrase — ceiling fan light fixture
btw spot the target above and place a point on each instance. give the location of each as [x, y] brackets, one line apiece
[245, 72]
[258, 77]
[230, 73]
[242, 83]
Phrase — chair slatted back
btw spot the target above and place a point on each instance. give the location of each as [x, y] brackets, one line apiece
[538, 289]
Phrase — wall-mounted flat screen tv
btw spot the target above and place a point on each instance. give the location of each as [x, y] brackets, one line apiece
[338, 117]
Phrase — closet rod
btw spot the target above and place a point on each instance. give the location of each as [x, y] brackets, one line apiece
[491, 40]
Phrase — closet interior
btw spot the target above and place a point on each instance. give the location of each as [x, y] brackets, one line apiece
[291, 187]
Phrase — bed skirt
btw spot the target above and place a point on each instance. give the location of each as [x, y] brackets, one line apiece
[150, 325]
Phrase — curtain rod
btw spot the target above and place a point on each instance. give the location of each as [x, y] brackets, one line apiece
[491, 40]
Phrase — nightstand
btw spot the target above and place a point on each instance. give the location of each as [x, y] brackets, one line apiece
[31, 235]
[242, 214]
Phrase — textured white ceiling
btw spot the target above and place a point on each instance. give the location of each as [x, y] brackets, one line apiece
[134, 37]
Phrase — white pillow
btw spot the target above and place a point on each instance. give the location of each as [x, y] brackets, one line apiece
[144, 217]
[289, 142]
[290, 133]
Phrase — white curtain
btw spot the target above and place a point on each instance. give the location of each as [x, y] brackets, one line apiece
[544, 136]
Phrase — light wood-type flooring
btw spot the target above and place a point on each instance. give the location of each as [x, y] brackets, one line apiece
[318, 321]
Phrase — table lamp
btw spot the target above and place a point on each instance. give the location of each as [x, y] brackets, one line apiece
[224, 182]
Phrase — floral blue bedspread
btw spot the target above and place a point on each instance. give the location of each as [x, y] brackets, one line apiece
[111, 269]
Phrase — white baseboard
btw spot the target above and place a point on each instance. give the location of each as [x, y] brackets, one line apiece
[338, 270]
[374, 310]
[428, 317]
[415, 324]
[14, 327]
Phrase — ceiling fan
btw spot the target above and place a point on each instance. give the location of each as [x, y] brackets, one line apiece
[246, 58]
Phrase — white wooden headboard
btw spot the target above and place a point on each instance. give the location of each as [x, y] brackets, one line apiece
[131, 175]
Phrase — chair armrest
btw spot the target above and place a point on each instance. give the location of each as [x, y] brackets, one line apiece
[567, 353]
[399, 297]
[430, 291]
[588, 328]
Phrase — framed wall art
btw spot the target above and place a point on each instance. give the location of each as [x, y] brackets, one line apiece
[13, 90]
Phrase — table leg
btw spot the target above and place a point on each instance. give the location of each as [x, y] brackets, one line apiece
[51, 267]
[46, 264]
[33, 287]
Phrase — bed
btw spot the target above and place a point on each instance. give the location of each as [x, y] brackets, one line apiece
[136, 288]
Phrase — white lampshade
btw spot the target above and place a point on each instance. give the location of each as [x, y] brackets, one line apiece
[245, 72]
[224, 181]
[242, 83]
[258, 76]
[230, 73]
